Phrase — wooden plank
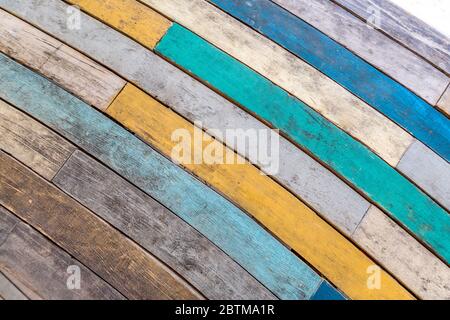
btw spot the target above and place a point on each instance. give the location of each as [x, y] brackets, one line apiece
[158, 230]
[32, 143]
[252, 247]
[134, 19]
[38, 266]
[123, 264]
[375, 47]
[8, 291]
[336, 201]
[278, 210]
[290, 73]
[415, 164]
[352, 160]
[327, 292]
[415, 267]
[94, 84]
[381, 92]
[444, 102]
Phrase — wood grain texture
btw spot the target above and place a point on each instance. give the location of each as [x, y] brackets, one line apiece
[365, 81]
[128, 268]
[416, 163]
[130, 17]
[8, 291]
[32, 143]
[368, 43]
[349, 158]
[416, 267]
[444, 102]
[38, 267]
[278, 210]
[158, 230]
[405, 28]
[326, 193]
[93, 83]
[252, 247]
[290, 73]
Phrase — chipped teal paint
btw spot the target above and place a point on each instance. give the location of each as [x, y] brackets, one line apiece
[327, 292]
[365, 81]
[225, 225]
[383, 184]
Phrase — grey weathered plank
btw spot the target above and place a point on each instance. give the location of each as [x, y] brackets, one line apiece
[299, 172]
[39, 267]
[444, 102]
[8, 290]
[404, 256]
[93, 83]
[32, 143]
[387, 55]
[157, 229]
[416, 163]
[405, 28]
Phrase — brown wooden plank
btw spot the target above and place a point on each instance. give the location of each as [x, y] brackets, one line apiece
[37, 266]
[32, 143]
[157, 229]
[115, 258]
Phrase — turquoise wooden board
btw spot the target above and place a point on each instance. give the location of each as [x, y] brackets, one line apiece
[327, 292]
[362, 168]
[365, 81]
[219, 220]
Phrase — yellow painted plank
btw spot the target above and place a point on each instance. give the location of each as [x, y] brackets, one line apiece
[272, 205]
[132, 18]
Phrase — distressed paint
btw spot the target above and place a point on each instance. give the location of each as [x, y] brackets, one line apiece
[444, 102]
[252, 247]
[373, 46]
[416, 163]
[32, 143]
[93, 83]
[383, 93]
[291, 73]
[39, 268]
[362, 168]
[131, 17]
[416, 267]
[158, 230]
[303, 175]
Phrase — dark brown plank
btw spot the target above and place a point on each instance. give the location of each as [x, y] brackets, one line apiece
[37, 266]
[115, 258]
[157, 229]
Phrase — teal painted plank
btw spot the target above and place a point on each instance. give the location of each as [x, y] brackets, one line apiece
[340, 64]
[362, 168]
[219, 220]
[327, 292]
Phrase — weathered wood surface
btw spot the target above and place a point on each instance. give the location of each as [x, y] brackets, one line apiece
[157, 229]
[416, 267]
[291, 73]
[365, 81]
[134, 18]
[8, 290]
[94, 84]
[349, 158]
[40, 268]
[268, 202]
[132, 271]
[416, 163]
[251, 246]
[444, 102]
[32, 143]
[336, 201]
[376, 48]
[327, 292]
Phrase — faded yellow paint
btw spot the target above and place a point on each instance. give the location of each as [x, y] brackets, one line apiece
[128, 16]
[282, 213]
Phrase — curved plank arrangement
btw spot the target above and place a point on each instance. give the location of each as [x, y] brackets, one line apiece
[118, 201]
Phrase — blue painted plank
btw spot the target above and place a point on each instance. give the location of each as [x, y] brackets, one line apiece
[327, 292]
[351, 159]
[365, 81]
[219, 220]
